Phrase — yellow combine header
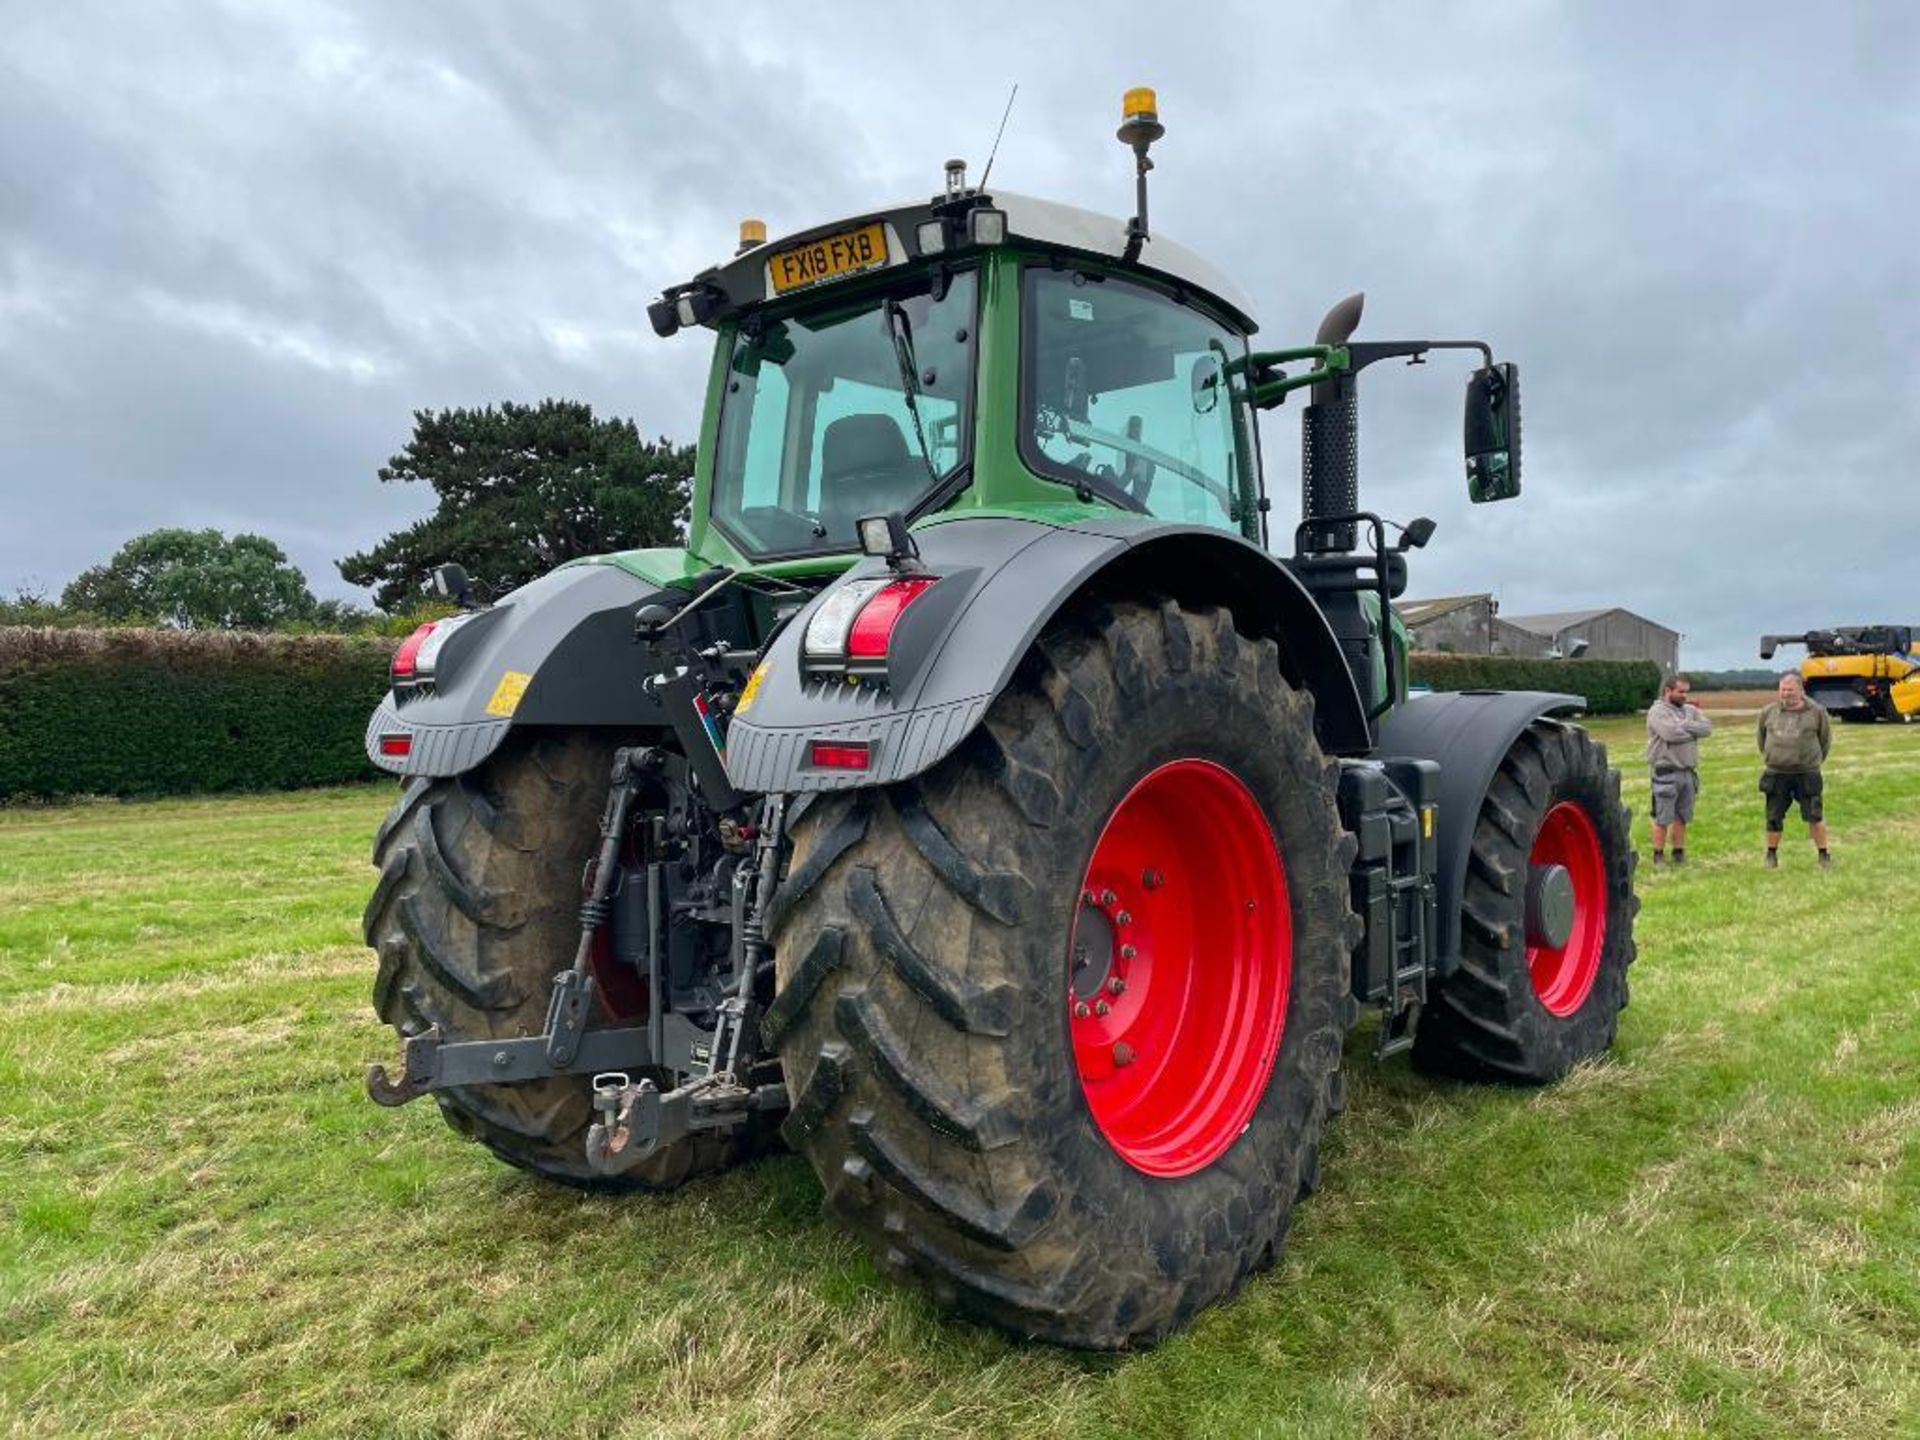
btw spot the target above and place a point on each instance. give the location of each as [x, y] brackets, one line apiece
[1859, 672]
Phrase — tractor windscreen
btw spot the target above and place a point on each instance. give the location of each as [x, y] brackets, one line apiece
[840, 411]
[1125, 391]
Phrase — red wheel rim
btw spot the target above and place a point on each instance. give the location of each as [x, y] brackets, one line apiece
[1179, 968]
[1563, 976]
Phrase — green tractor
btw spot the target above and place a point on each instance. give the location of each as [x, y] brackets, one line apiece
[984, 802]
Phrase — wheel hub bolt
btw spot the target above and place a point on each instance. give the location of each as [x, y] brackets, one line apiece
[1107, 897]
[1080, 1010]
[1122, 1053]
[1117, 986]
[1100, 1007]
[1127, 952]
[1123, 918]
[1153, 879]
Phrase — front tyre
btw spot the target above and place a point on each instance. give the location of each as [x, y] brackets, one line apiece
[1062, 1018]
[1546, 920]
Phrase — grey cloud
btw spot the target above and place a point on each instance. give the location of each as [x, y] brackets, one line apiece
[239, 246]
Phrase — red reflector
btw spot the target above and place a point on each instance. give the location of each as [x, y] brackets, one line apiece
[396, 745]
[840, 754]
[873, 626]
[409, 652]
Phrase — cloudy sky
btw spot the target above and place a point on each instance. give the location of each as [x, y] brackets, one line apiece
[239, 244]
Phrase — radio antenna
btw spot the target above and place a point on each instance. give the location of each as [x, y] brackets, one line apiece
[997, 134]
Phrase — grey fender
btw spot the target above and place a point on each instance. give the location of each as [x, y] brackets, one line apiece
[956, 648]
[570, 633]
[1469, 733]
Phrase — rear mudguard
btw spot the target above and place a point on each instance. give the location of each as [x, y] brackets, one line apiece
[1469, 734]
[955, 649]
[557, 651]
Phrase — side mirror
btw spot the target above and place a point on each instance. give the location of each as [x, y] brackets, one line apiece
[1206, 381]
[1493, 433]
[1416, 534]
[450, 582]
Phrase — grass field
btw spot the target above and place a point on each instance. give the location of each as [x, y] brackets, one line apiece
[205, 1228]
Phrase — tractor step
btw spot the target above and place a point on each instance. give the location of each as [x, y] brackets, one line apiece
[1390, 809]
[1402, 1016]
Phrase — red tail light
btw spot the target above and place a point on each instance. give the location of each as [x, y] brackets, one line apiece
[872, 628]
[840, 754]
[398, 746]
[407, 656]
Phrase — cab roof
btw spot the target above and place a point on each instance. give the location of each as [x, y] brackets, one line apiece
[744, 281]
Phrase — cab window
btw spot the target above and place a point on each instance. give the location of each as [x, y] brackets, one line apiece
[1126, 391]
[843, 408]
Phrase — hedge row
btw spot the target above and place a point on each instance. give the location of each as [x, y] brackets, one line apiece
[1612, 687]
[168, 712]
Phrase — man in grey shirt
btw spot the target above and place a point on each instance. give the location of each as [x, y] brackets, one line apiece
[1675, 728]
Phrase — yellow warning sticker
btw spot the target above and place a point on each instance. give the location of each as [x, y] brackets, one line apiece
[752, 690]
[506, 695]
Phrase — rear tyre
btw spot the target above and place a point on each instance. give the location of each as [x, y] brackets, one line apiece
[1544, 957]
[1146, 799]
[476, 909]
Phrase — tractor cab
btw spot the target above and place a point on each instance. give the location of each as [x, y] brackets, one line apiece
[980, 350]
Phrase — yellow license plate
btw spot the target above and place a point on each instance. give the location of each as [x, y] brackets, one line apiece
[829, 258]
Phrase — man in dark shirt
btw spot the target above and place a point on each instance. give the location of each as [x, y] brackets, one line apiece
[1795, 736]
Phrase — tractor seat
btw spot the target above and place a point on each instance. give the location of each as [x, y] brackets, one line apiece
[865, 469]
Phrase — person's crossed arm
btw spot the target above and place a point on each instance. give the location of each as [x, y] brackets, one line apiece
[1674, 725]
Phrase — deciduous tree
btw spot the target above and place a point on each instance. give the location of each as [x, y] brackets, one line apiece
[194, 579]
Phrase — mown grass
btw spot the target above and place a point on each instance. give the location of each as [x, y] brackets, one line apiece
[205, 1228]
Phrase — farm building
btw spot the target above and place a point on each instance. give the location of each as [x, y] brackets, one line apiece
[1467, 625]
[1611, 634]
[1473, 625]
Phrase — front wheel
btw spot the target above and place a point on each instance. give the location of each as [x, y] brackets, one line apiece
[1062, 1018]
[1546, 920]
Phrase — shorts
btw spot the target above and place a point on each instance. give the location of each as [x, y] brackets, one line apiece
[1674, 791]
[1783, 787]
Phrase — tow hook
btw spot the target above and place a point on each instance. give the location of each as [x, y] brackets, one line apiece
[616, 1099]
[631, 1121]
[636, 1118]
[418, 1063]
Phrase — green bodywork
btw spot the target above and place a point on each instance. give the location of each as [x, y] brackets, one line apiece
[1001, 484]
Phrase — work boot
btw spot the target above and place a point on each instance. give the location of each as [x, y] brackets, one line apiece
[1826, 861]
[1773, 859]
[1659, 858]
